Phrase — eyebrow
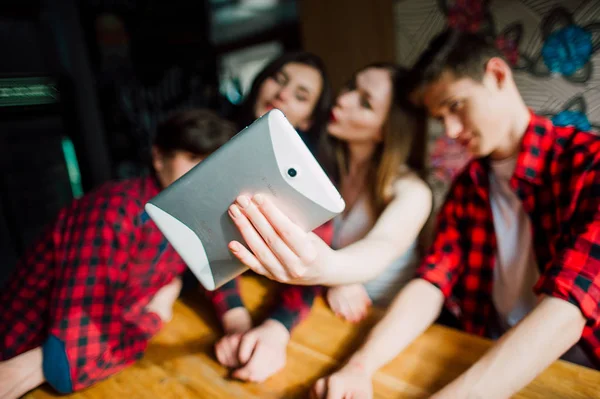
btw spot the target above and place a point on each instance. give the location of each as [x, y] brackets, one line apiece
[446, 101]
[300, 88]
[304, 89]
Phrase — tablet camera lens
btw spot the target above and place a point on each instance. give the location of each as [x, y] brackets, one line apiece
[292, 172]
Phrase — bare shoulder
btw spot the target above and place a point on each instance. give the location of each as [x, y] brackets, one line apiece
[412, 202]
[410, 184]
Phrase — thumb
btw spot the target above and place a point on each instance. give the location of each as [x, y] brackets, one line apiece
[319, 389]
[246, 347]
[367, 298]
[248, 371]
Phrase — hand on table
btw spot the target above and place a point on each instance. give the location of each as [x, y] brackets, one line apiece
[350, 302]
[236, 322]
[262, 351]
[350, 382]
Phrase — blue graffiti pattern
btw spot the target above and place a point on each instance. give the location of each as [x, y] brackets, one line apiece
[572, 118]
[567, 50]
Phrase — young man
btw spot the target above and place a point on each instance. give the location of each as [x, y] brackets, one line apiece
[84, 302]
[517, 249]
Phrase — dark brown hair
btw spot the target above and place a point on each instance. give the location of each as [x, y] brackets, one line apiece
[462, 54]
[199, 131]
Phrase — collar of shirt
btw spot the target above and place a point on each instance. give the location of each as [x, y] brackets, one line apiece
[535, 145]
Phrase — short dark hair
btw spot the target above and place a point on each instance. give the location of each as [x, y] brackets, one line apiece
[199, 131]
[320, 114]
[463, 54]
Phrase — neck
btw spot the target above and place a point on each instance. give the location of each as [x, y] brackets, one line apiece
[359, 157]
[520, 118]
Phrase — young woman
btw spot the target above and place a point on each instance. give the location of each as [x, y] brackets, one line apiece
[297, 84]
[376, 144]
[377, 141]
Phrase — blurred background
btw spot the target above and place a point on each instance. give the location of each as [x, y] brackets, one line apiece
[84, 83]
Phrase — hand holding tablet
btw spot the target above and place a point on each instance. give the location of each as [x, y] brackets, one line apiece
[267, 159]
[277, 247]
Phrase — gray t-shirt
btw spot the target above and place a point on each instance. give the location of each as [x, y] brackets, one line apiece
[354, 226]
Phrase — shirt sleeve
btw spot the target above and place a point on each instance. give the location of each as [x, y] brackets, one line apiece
[442, 264]
[574, 274]
[225, 297]
[294, 304]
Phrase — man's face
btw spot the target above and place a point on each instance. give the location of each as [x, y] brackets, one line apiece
[474, 113]
[170, 167]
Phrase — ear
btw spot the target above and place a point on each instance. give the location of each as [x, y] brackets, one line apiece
[305, 125]
[498, 70]
[157, 160]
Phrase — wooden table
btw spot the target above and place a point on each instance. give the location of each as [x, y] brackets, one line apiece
[180, 363]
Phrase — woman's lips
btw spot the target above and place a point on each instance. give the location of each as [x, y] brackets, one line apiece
[332, 117]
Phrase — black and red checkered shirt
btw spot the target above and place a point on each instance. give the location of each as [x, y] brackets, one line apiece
[557, 178]
[85, 284]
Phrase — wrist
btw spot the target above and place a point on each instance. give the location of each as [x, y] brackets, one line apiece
[236, 321]
[330, 271]
[277, 328]
[360, 361]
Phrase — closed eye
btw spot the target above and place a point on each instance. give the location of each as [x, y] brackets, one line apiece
[365, 103]
[455, 106]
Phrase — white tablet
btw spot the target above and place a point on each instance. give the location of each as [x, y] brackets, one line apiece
[267, 157]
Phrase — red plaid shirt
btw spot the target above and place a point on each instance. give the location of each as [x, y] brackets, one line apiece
[557, 177]
[294, 302]
[87, 281]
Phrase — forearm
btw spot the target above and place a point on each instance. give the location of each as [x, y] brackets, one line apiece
[415, 308]
[394, 233]
[360, 262]
[522, 353]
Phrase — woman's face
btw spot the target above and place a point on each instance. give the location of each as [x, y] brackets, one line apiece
[362, 108]
[294, 90]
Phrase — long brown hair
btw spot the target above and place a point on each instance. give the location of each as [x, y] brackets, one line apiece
[404, 142]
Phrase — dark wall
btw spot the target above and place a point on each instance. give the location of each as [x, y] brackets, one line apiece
[348, 34]
[47, 99]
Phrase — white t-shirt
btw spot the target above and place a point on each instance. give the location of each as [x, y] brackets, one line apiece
[516, 271]
[353, 227]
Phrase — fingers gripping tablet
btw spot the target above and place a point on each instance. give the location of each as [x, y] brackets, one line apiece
[267, 157]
